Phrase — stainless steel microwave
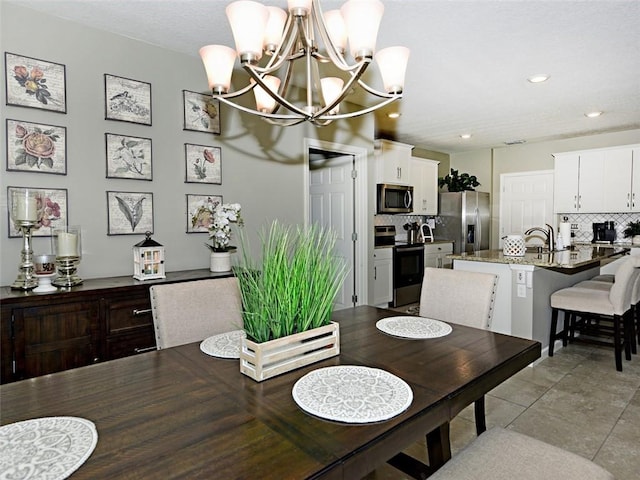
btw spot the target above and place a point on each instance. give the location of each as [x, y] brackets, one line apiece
[394, 198]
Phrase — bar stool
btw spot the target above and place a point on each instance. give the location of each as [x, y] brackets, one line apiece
[601, 310]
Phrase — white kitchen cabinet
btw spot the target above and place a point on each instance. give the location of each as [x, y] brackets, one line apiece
[597, 181]
[435, 255]
[382, 276]
[392, 162]
[424, 178]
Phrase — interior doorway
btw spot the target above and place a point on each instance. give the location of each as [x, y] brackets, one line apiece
[336, 196]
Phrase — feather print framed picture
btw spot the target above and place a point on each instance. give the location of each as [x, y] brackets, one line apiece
[129, 213]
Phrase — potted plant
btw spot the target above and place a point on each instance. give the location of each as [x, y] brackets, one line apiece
[458, 182]
[287, 299]
[218, 217]
[633, 230]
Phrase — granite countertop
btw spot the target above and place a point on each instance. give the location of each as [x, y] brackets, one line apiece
[578, 256]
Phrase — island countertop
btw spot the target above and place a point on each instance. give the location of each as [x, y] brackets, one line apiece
[578, 257]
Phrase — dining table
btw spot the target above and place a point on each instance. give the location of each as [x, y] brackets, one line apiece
[179, 413]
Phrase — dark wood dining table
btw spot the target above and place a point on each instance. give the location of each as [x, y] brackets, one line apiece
[179, 413]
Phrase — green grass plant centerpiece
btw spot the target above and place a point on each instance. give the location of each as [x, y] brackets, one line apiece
[292, 288]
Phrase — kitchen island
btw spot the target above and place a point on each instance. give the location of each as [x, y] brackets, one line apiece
[525, 283]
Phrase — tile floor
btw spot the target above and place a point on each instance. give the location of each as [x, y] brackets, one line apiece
[575, 400]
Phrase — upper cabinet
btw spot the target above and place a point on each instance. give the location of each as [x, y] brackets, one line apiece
[605, 180]
[424, 178]
[392, 162]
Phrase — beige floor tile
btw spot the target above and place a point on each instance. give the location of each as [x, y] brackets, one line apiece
[519, 391]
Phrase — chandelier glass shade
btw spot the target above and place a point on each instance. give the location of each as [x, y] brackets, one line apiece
[304, 50]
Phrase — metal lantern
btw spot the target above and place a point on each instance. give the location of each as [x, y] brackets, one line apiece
[148, 259]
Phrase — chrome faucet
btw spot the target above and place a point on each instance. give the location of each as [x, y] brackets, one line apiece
[548, 234]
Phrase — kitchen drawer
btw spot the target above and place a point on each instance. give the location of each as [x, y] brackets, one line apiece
[444, 248]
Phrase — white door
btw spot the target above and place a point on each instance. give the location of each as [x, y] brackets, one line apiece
[526, 201]
[331, 203]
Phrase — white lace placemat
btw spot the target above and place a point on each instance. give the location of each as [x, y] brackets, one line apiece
[224, 345]
[413, 327]
[352, 394]
[50, 448]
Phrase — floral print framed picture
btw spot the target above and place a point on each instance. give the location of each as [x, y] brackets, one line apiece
[52, 211]
[200, 212]
[31, 82]
[128, 157]
[129, 213]
[203, 164]
[36, 148]
[201, 112]
[127, 100]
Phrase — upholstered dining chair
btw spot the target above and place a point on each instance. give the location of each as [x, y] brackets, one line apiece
[192, 311]
[597, 309]
[463, 298]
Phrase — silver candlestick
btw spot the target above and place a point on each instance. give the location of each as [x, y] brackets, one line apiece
[25, 279]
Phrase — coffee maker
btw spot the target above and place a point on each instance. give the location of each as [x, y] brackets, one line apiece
[604, 232]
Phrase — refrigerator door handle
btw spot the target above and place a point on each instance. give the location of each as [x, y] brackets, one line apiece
[478, 239]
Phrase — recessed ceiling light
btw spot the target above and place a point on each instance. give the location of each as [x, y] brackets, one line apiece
[593, 114]
[539, 78]
[465, 136]
[394, 115]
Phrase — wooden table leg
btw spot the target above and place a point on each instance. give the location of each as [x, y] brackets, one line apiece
[439, 446]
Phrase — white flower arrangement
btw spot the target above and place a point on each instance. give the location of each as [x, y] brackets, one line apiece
[222, 217]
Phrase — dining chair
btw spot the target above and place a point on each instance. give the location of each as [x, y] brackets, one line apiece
[463, 298]
[502, 454]
[188, 312]
[598, 311]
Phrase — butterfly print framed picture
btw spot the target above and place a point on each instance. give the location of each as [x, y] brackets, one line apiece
[129, 213]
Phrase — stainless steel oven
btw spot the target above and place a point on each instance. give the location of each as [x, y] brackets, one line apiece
[408, 270]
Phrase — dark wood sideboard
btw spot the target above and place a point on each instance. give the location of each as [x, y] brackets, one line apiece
[101, 319]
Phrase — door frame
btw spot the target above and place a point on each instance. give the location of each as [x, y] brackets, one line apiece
[360, 209]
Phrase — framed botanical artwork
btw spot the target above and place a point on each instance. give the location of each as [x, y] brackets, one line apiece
[129, 213]
[36, 148]
[52, 211]
[203, 164]
[31, 82]
[127, 100]
[128, 157]
[201, 112]
[200, 212]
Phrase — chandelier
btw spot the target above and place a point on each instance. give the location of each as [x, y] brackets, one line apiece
[309, 43]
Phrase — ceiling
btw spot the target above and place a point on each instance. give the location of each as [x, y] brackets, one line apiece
[469, 62]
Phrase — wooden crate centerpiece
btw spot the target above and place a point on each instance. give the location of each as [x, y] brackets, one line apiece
[261, 361]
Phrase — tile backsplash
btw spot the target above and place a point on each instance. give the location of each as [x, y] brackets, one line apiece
[584, 221]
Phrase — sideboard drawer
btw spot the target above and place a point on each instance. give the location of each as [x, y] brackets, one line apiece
[127, 314]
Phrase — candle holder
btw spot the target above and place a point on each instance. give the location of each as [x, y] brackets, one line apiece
[67, 246]
[23, 210]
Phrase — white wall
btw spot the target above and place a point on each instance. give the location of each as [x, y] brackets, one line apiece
[488, 165]
[262, 165]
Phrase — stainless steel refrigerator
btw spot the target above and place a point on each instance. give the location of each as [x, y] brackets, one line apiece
[464, 218]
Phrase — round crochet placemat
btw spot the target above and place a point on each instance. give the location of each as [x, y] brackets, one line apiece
[413, 327]
[50, 448]
[352, 394]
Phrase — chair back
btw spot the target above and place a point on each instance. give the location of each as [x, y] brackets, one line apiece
[457, 296]
[188, 312]
[621, 292]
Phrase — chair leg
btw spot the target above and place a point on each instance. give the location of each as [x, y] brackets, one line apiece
[481, 422]
[617, 342]
[631, 330]
[552, 330]
[628, 334]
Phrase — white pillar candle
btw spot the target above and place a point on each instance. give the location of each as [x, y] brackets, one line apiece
[26, 208]
[67, 245]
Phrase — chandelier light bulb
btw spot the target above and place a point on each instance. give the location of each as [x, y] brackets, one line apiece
[218, 62]
[274, 29]
[265, 102]
[337, 29]
[362, 19]
[392, 63]
[248, 22]
[331, 89]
